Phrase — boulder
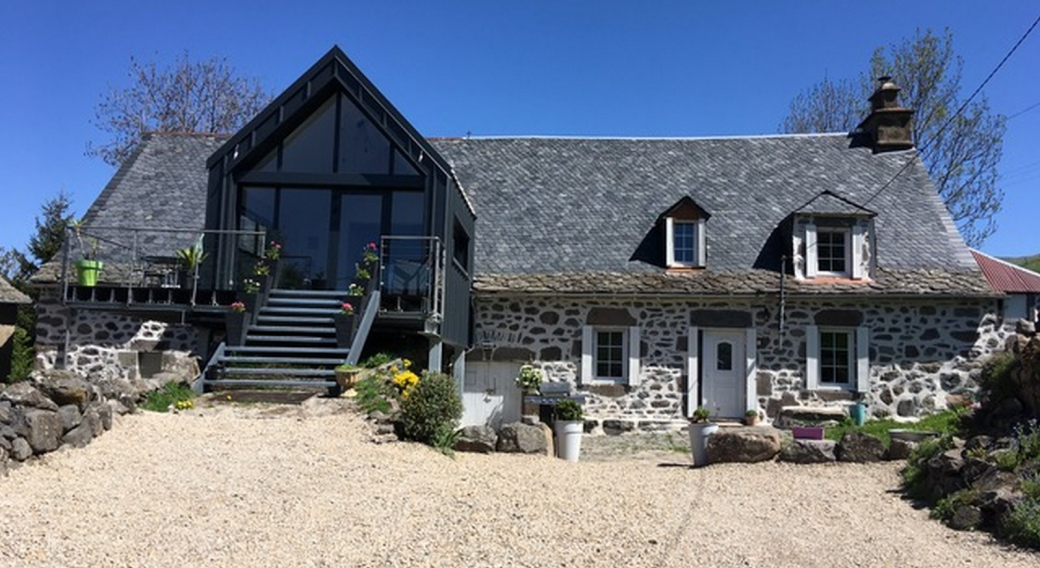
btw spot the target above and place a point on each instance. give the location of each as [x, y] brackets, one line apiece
[965, 518]
[3, 461]
[79, 436]
[7, 433]
[5, 412]
[20, 449]
[45, 429]
[745, 444]
[67, 390]
[860, 448]
[900, 449]
[70, 416]
[810, 415]
[478, 439]
[521, 438]
[1025, 327]
[809, 451]
[24, 394]
[104, 412]
[948, 463]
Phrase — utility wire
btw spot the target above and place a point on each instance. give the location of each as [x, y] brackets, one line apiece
[1023, 111]
[954, 116]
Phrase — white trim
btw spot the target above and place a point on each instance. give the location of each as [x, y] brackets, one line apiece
[812, 357]
[751, 362]
[702, 244]
[811, 264]
[587, 346]
[698, 242]
[848, 252]
[692, 371]
[626, 351]
[859, 235]
[850, 346]
[862, 359]
[633, 377]
[669, 240]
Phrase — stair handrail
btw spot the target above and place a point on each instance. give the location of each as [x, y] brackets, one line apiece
[199, 385]
[361, 335]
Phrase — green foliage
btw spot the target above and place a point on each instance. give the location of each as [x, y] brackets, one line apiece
[192, 256]
[701, 415]
[946, 507]
[947, 422]
[1022, 524]
[1028, 436]
[22, 356]
[444, 440]
[171, 394]
[381, 358]
[373, 395]
[568, 411]
[996, 375]
[431, 409]
[914, 472]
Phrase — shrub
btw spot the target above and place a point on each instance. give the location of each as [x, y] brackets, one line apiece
[432, 409]
[568, 411]
[946, 507]
[915, 472]
[22, 356]
[171, 394]
[1022, 524]
[381, 358]
[373, 394]
[996, 375]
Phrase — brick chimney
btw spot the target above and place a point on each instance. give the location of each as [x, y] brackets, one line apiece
[887, 128]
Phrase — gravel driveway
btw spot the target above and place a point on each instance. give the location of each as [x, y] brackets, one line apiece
[302, 486]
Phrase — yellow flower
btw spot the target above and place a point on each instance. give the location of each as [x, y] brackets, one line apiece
[407, 363]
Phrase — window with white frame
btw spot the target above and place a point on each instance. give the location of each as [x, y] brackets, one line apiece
[832, 251]
[685, 242]
[610, 355]
[837, 358]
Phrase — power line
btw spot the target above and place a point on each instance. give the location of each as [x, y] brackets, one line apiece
[959, 110]
[1023, 111]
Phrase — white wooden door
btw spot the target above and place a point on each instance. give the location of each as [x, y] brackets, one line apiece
[725, 379]
[489, 394]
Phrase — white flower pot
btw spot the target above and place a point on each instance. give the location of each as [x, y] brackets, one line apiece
[568, 439]
[699, 434]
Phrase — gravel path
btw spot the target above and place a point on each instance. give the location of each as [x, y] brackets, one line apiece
[302, 486]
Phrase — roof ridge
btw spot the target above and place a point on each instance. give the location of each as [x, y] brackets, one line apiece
[646, 138]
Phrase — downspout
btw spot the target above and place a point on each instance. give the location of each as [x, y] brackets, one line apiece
[783, 295]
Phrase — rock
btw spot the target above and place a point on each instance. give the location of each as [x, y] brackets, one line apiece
[860, 448]
[974, 469]
[984, 442]
[997, 479]
[7, 433]
[745, 444]
[550, 446]
[900, 449]
[477, 439]
[617, 427]
[809, 415]
[997, 503]
[948, 463]
[24, 394]
[1025, 327]
[5, 412]
[965, 518]
[70, 416]
[3, 461]
[45, 430]
[809, 451]
[67, 390]
[104, 412]
[521, 438]
[79, 436]
[117, 408]
[119, 390]
[20, 449]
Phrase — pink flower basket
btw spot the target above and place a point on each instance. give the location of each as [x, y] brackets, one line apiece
[807, 432]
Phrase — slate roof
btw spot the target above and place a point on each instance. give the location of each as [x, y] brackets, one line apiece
[830, 203]
[11, 295]
[585, 206]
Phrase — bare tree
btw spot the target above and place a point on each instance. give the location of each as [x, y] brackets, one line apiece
[191, 96]
[961, 153]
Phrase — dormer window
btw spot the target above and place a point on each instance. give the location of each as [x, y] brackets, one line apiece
[685, 243]
[832, 252]
[833, 238]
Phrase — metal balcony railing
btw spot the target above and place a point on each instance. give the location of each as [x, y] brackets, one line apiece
[411, 275]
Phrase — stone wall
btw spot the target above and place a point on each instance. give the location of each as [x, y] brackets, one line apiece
[110, 345]
[920, 351]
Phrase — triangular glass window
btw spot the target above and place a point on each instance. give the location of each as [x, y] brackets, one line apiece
[309, 148]
[269, 163]
[362, 147]
[402, 167]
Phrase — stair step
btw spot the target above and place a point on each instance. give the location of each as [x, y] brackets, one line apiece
[287, 372]
[299, 311]
[284, 292]
[290, 329]
[291, 339]
[261, 320]
[289, 360]
[270, 383]
[307, 302]
[287, 349]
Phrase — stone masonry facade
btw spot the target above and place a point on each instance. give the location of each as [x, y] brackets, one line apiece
[920, 351]
[111, 345]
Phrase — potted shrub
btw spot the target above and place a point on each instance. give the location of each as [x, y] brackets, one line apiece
[807, 432]
[262, 276]
[237, 324]
[528, 381]
[271, 260]
[701, 428]
[751, 417]
[191, 258]
[347, 376]
[569, 424]
[250, 295]
[344, 325]
[88, 268]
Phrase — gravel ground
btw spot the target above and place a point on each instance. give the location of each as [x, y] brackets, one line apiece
[258, 485]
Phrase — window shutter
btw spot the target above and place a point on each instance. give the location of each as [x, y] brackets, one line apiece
[811, 264]
[812, 357]
[669, 244]
[692, 372]
[633, 357]
[863, 359]
[858, 236]
[751, 368]
[702, 244]
[587, 348]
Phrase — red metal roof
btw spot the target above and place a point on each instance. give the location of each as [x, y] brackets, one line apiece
[1006, 277]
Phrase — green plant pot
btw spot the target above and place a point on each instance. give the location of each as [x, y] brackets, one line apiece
[87, 272]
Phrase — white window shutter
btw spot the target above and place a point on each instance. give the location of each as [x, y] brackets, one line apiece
[811, 264]
[863, 358]
[587, 349]
[633, 357]
[692, 372]
[669, 238]
[858, 236]
[812, 357]
[702, 244]
[751, 368]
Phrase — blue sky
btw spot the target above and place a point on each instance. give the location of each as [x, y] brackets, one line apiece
[603, 68]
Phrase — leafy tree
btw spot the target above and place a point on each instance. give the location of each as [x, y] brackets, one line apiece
[961, 157]
[44, 244]
[191, 96]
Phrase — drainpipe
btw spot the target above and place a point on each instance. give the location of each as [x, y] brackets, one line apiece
[783, 294]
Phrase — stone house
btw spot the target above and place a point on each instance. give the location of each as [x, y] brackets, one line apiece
[653, 276]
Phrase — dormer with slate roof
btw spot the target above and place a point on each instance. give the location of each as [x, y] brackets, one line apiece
[685, 234]
[833, 238]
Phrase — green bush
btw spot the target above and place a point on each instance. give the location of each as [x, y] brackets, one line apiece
[947, 422]
[996, 375]
[381, 358]
[1022, 524]
[23, 356]
[915, 471]
[373, 395]
[432, 409]
[171, 394]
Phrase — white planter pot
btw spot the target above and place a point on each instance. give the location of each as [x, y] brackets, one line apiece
[699, 434]
[568, 439]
